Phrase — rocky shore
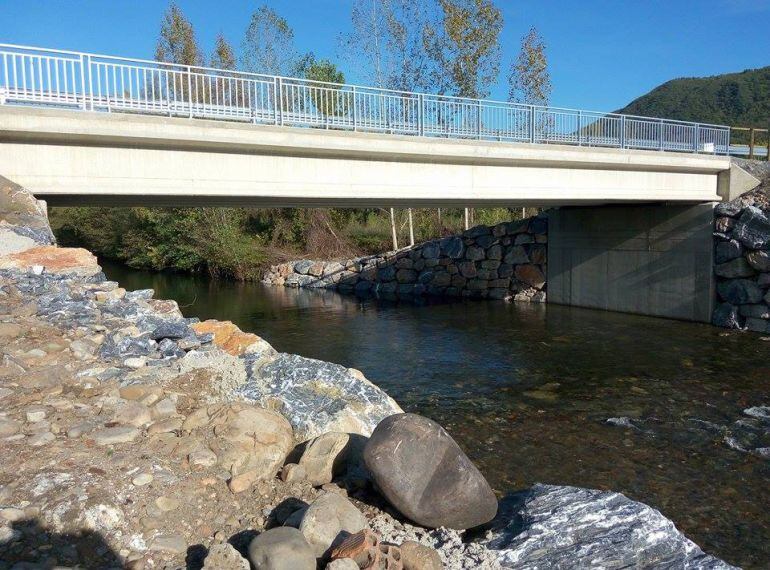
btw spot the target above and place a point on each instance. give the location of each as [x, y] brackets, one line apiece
[506, 261]
[133, 437]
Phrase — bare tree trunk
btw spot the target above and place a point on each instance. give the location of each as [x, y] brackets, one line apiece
[393, 228]
[467, 218]
[411, 228]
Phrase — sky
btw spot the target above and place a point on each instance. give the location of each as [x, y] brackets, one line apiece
[602, 54]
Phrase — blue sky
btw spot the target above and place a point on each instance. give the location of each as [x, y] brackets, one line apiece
[602, 53]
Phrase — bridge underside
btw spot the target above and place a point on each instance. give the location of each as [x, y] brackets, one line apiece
[78, 158]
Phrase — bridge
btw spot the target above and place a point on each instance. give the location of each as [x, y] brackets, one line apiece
[635, 194]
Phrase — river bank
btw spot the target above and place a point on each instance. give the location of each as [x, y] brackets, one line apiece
[145, 439]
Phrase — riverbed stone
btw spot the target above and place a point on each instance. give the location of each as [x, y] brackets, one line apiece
[569, 527]
[424, 474]
[323, 457]
[281, 548]
[416, 556]
[114, 435]
[328, 521]
[224, 557]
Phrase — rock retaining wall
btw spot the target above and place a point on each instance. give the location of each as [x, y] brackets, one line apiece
[506, 261]
[742, 262]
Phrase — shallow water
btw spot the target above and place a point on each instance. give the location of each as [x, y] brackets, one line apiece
[526, 390]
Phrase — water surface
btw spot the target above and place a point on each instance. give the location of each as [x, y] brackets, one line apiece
[526, 390]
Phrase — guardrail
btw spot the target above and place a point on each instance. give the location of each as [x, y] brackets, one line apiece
[90, 82]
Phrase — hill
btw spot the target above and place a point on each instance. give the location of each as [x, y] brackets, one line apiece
[735, 99]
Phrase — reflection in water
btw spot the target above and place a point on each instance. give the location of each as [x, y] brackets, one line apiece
[527, 390]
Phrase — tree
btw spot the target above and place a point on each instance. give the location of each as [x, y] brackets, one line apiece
[387, 42]
[329, 100]
[465, 47]
[529, 79]
[177, 43]
[268, 46]
[223, 56]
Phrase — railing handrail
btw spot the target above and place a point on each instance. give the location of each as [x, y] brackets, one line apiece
[613, 125]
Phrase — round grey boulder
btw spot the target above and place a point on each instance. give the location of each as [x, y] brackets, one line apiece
[424, 474]
[329, 520]
[282, 548]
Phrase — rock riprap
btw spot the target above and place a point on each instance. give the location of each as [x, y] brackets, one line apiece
[317, 396]
[424, 474]
[569, 527]
[505, 261]
[282, 548]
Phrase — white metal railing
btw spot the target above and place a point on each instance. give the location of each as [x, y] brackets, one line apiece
[66, 79]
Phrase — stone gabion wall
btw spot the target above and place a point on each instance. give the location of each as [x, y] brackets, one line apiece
[506, 261]
[742, 266]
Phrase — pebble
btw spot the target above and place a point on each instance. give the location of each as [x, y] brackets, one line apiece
[342, 564]
[135, 362]
[166, 407]
[202, 458]
[167, 504]
[35, 414]
[174, 543]
[224, 557]
[133, 413]
[118, 434]
[416, 556]
[41, 439]
[9, 427]
[142, 479]
[11, 514]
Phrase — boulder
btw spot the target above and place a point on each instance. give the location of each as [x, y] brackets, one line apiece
[251, 443]
[282, 548]
[569, 527]
[224, 557]
[424, 474]
[323, 457]
[416, 556]
[431, 250]
[328, 521]
[316, 396]
[726, 316]
[59, 260]
[759, 260]
[386, 273]
[531, 275]
[739, 291]
[753, 228]
[731, 209]
[453, 247]
[738, 267]
[516, 255]
[475, 253]
[13, 242]
[303, 266]
[231, 338]
[728, 250]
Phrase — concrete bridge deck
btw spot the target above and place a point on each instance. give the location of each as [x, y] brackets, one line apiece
[91, 158]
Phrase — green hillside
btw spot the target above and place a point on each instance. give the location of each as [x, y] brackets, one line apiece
[736, 99]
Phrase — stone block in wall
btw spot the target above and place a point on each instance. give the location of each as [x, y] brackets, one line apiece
[495, 252]
[758, 311]
[477, 231]
[406, 275]
[452, 269]
[497, 294]
[758, 325]
[505, 270]
[759, 260]
[490, 263]
[726, 316]
[458, 281]
[404, 263]
[486, 241]
[498, 283]
[425, 276]
[541, 238]
[538, 225]
[753, 228]
[739, 291]
[475, 253]
[405, 290]
[442, 279]
[764, 281]
[530, 274]
[477, 284]
[387, 273]
[431, 250]
[452, 292]
[433, 262]
[516, 227]
[724, 225]
[523, 238]
[453, 247]
[363, 287]
[468, 269]
[499, 230]
[516, 255]
[735, 268]
[728, 250]
[538, 254]
[389, 287]
[486, 274]
[419, 265]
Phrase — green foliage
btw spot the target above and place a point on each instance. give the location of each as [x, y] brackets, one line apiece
[223, 56]
[177, 43]
[529, 79]
[736, 99]
[268, 46]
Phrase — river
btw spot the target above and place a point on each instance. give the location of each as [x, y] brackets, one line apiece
[527, 391]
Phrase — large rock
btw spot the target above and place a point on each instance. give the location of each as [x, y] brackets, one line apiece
[232, 339]
[250, 442]
[329, 520]
[726, 315]
[739, 291]
[323, 457]
[59, 260]
[531, 275]
[738, 267]
[317, 396]
[282, 548]
[728, 250]
[759, 260]
[753, 228]
[569, 527]
[225, 557]
[424, 474]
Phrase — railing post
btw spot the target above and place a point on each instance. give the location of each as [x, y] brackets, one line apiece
[355, 111]
[660, 142]
[580, 128]
[622, 137]
[279, 101]
[420, 114]
[84, 106]
[696, 138]
[751, 143]
[189, 90]
[478, 120]
[532, 123]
